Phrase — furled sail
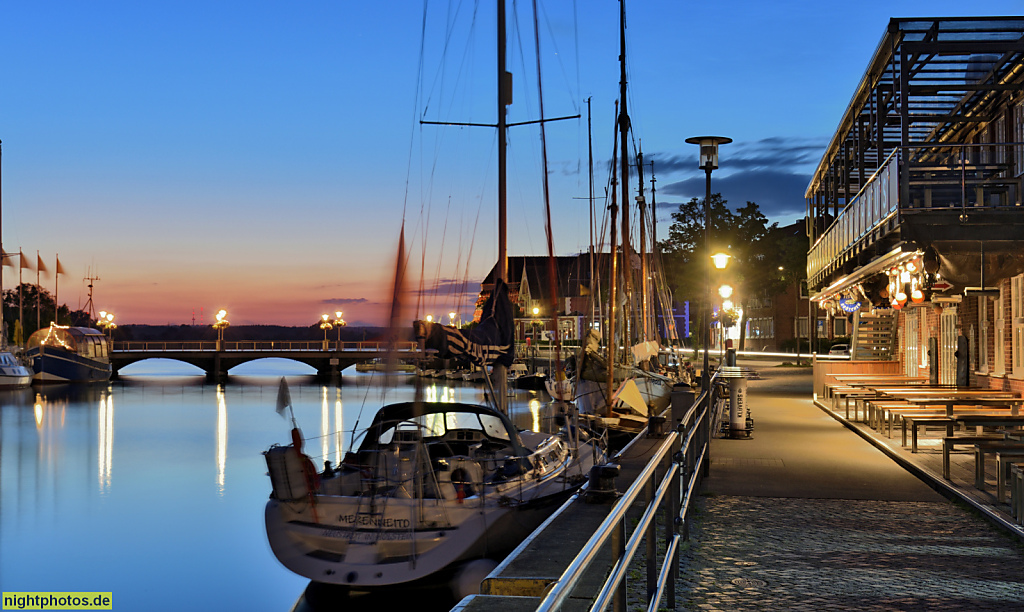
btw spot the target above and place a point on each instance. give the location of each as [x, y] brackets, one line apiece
[488, 343]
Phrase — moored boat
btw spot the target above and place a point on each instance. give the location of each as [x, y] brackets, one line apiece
[68, 354]
[432, 488]
[13, 375]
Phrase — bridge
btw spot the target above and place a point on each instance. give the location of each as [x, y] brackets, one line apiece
[217, 357]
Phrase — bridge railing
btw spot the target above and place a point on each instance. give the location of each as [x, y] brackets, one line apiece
[256, 345]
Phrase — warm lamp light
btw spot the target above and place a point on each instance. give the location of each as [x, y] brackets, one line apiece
[725, 291]
[721, 260]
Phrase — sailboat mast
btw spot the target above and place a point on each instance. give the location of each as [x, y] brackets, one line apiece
[503, 78]
[504, 97]
[624, 161]
[643, 245]
[594, 301]
[612, 291]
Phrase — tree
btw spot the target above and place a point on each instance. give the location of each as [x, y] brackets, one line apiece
[765, 258]
[48, 311]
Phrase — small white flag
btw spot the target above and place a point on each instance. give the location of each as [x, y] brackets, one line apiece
[284, 398]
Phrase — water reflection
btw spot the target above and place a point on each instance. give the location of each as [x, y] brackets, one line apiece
[105, 444]
[222, 437]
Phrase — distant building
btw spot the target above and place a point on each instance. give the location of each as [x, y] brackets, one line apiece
[530, 288]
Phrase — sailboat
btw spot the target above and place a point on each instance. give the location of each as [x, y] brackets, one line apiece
[617, 393]
[436, 492]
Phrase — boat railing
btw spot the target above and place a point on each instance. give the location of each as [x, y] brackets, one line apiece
[666, 484]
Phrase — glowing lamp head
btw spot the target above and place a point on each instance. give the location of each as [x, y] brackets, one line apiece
[721, 260]
[536, 311]
[725, 291]
[430, 318]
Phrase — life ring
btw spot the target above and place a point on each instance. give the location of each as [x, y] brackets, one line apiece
[463, 478]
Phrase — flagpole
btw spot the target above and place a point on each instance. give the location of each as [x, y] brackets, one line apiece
[21, 308]
[39, 297]
[56, 286]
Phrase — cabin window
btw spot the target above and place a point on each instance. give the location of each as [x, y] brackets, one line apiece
[493, 427]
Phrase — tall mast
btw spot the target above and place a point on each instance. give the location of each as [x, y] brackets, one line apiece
[645, 336]
[503, 96]
[594, 301]
[624, 161]
[612, 291]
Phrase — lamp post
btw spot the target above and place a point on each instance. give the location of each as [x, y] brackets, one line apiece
[451, 318]
[220, 324]
[106, 322]
[325, 324]
[339, 322]
[708, 162]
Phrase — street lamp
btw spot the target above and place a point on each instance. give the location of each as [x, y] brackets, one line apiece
[451, 318]
[106, 322]
[339, 323]
[325, 324]
[220, 324]
[708, 162]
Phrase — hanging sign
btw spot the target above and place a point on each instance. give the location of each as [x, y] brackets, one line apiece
[849, 305]
[941, 285]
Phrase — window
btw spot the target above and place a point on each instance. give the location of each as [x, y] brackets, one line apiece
[911, 350]
[1018, 136]
[998, 338]
[947, 346]
[983, 329]
[1017, 325]
[839, 327]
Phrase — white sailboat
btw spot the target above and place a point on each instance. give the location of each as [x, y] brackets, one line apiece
[436, 492]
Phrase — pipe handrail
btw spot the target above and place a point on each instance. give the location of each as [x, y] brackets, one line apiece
[560, 590]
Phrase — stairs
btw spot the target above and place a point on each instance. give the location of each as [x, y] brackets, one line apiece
[874, 337]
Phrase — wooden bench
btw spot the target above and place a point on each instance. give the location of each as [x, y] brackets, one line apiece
[916, 420]
[1005, 457]
[951, 442]
[983, 448]
[1017, 491]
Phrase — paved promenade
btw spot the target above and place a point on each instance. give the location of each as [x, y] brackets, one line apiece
[808, 515]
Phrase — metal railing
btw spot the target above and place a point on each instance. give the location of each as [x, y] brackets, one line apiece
[683, 458]
[257, 345]
[970, 177]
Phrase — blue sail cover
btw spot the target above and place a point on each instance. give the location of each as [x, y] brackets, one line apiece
[488, 343]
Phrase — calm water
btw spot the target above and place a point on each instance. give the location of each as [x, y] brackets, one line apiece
[152, 487]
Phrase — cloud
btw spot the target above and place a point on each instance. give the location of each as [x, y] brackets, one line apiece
[779, 194]
[345, 301]
[772, 172]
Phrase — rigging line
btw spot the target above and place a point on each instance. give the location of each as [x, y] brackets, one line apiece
[548, 230]
[558, 55]
[452, 17]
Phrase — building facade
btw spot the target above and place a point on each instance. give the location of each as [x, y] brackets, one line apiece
[915, 212]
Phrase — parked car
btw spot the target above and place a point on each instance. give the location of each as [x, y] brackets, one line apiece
[839, 349]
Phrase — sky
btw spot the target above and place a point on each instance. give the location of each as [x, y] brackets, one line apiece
[263, 157]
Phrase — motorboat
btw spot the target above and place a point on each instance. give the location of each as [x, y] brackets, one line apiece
[13, 375]
[60, 354]
[434, 490]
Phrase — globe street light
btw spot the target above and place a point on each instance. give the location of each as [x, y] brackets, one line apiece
[451, 318]
[220, 324]
[325, 324]
[106, 322]
[708, 162]
[339, 323]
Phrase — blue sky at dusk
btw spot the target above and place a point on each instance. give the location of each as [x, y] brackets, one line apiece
[261, 156]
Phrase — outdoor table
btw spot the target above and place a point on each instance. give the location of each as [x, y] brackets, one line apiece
[948, 398]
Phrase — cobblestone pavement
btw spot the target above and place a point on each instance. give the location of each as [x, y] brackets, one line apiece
[750, 553]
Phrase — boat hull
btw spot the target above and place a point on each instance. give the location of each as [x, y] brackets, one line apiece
[54, 365]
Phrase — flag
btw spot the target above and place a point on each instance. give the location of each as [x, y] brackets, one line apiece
[284, 398]
[7, 258]
[60, 268]
[39, 265]
[25, 265]
[488, 343]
